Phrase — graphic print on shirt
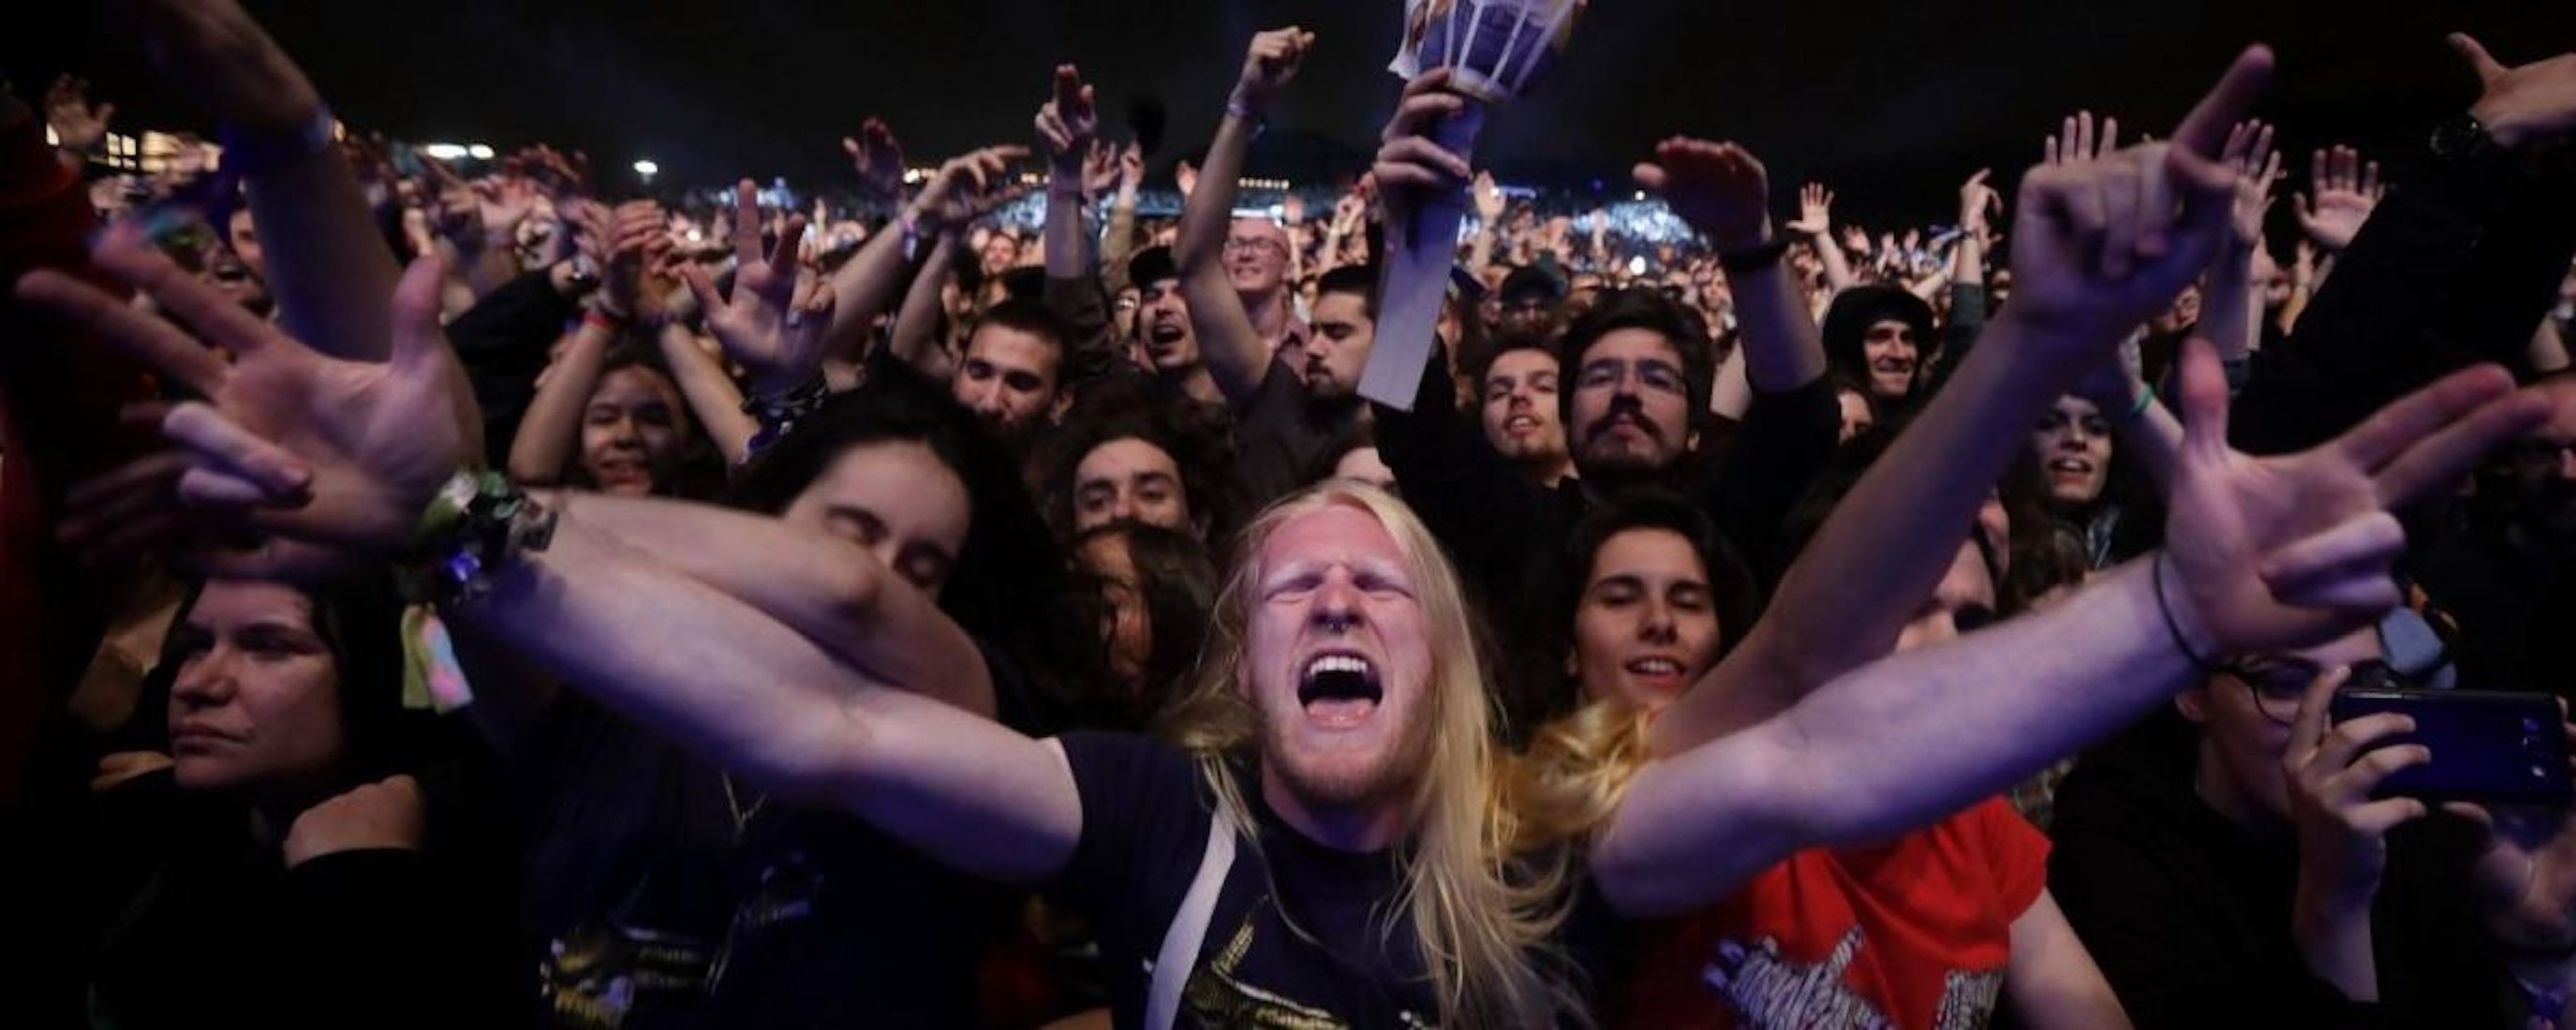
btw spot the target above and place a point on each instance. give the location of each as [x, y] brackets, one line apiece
[1214, 997]
[1768, 991]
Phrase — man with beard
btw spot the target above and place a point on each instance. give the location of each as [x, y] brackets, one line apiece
[1517, 393]
[1637, 375]
[1163, 326]
[1012, 374]
[1292, 388]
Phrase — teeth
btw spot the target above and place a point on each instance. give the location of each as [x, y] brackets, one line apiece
[1337, 663]
[1656, 666]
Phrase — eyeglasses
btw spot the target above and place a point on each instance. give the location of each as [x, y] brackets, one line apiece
[1248, 244]
[2415, 657]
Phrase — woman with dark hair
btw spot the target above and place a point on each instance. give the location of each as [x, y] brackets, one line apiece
[1880, 338]
[2091, 489]
[307, 857]
[613, 419]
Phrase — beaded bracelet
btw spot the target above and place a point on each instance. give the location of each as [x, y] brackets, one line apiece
[477, 522]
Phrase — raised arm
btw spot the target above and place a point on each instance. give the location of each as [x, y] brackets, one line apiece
[1067, 127]
[2267, 554]
[2231, 317]
[327, 264]
[963, 189]
[1235, 353]
[2080, 281]
[550, 431]
[914, 339]
[1815, 224]
[335, 460]
[1722, 190]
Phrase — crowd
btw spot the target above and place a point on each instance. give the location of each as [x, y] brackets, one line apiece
[464, 595]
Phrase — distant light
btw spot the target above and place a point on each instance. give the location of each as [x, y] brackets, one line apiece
[479, 152]
[1641, 194]
[647, 169]
[444, 151]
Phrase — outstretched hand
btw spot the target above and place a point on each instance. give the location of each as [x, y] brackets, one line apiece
[1269, 63]
[773, 324]
[328, 459]
[1068, 124]
[968, 187]
[2524, 104]
[2347, 191]
[2102, 243]
[2290, 551]
[2249, 151]
[1815, 212]
[1721, 189]
[877, 158]
[78, 126]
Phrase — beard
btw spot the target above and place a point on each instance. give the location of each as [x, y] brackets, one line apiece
[1344, 778]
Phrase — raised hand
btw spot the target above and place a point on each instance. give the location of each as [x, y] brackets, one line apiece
[635, 229]
[1186, 176]
[1978, 204]
[1100, 171]
[307, 449]
[1068, 125]
[773, 325]
[2524, 104]
[1488, 198]
[78, 127]
[1268, 65]
[2101, 244]
[2249, 151]
[2525, 873]
[1410, 167]
[231, 68]
[2347, 189]
[969, 186]
[2077, 142]
[878, 159]
[1131, 168]
[1719, 188]
[2284, 552]
[1815, 212]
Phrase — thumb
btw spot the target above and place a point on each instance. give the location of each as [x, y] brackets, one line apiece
[2204, 399]
[2481, 62]
[417, 337]
[702, 286]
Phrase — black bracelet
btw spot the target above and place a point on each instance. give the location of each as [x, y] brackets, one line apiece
[1754, 258]
[2156, 576]
[478, 522]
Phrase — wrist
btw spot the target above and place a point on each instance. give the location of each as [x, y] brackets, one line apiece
[2502, 128]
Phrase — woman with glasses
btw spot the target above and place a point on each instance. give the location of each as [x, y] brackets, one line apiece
[2228, 863]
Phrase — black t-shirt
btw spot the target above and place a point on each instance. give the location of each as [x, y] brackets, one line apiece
[1350, 958]
[653, 908]
[1281, 436]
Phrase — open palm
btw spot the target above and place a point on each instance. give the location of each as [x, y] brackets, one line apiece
[769, 326]
[314, 449]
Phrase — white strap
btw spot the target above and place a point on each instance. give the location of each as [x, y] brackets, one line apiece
[1188, 929]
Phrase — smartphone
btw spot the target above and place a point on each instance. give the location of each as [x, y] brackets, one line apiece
[2488, 746]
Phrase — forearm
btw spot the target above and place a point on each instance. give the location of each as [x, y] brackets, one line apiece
[1884, 548]
[711, 394]
[834, 592]
[866, 284]
[915, 339]
[551, 429]
[1891, 746]
[2230, 318]
[2335, 940]
[1120, 241]
[1838, 270]
[1782, 349]
[1068, 245]
[327, 265]
[1228, 343]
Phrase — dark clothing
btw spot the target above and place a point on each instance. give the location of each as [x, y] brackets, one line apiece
[664, 896]
[1301, 934]
[1508, 535]
[2455, 268]
[2512, 590]
[1145, 816]
[1280, 436]
[504, 340]
[187, 920]
[1092, 348]
[2188, 914]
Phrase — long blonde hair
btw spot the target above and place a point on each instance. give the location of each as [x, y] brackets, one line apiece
[1484, 925]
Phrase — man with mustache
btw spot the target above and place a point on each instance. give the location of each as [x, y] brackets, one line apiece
[1636, 373]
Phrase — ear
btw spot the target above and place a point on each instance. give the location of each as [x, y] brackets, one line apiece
[1690, 441]
[2194, 704]
[1063, 403]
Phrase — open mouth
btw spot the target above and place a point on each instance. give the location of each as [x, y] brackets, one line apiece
[2070, 467]
[1339, 689]
[1655, 671]
[1519, 424]
[1162, 335]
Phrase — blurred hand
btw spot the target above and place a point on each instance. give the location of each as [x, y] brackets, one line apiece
[78, 127]
[386, 814]
[2347, 190]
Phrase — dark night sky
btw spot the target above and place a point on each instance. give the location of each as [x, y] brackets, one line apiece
[1891, 103]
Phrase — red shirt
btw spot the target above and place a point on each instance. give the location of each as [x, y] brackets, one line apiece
[1914, 933]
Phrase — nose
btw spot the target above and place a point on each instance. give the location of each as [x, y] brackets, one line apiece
[1656, 624]
[1337, 605]
[1122, 506]
[206, 681]
[985, 399]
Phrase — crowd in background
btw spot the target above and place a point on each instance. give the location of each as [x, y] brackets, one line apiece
[454, 592]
